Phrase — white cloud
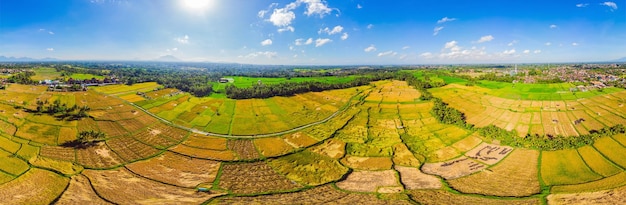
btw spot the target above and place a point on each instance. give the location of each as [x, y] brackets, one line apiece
[387, 53]
[50, 49]
[446, 19]
[266, 54]
[42, 30]
[537, 51]
[262, 13]
[450, 44]
[358, 6]
[485, 39]
[526, 51]
[318, 7]
[508, 52]
[301, 42]
[321, 41]
[171, 50]
[50, 32]
[370, 26]
[436, 30]
[574, 44]
[406, 47]
[426, 55]
[581, 5]
[282, 17]
[266, 42]
[553, 26]
[452, 50]
[183, 40]
[335, 30]
[548, 44]
[370, 48]
[611, 4]
[288, 28]
[344, 36]
[512, 43]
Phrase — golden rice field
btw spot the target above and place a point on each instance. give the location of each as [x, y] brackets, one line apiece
[384, 148]
[242, 117]
[564, 117]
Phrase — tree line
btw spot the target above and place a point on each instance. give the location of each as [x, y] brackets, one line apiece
[61, 111]
[292, 88]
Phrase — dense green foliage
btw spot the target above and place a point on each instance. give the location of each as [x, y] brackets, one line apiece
[61, 110]
[22, 78]
[448, 115]
[292, 88]
[90, 136]
[548, 142]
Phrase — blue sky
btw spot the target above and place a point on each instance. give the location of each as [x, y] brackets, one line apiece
[316, 32]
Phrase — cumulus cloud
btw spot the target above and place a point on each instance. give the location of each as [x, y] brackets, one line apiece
[50, 49]
[370, 48]
[512, 43]
[486, 38]
[282, 17]
[267, 54]
[581, 5]
[509, 52]
[301, 42]
[387, 53]
[321, 41]
[358, 6]
[452, 50]
[335, 30]
[183, 40]
[344, 36]
[548, 43]
[553, 26]
[445, 19]
[574, 44]
[288, 28]
[266, 42]
[370, 26]
[450, 44]
[436, 30]
[50, 32]
[537, 51]
[611, 4]
[316, 7]
[406, 47]
[526, 51]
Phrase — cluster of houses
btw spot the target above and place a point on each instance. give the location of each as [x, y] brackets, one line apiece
[76, 84]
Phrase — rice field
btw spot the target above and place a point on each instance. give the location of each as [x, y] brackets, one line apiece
[533, 115]
[384, 148]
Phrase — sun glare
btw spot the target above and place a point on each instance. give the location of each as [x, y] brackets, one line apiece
[197, 5]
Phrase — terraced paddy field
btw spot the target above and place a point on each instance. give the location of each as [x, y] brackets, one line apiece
[242, 117]
[571, 117]
[384, 148]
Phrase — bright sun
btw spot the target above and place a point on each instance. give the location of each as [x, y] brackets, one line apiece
[197, 5]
